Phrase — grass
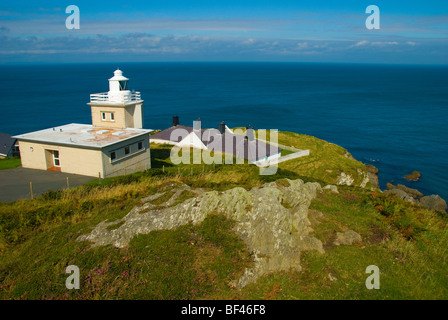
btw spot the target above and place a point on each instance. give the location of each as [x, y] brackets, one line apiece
[326, 160]
[410, 268]
[38, 238]
[9, 163]
[285, 152]
[191, 262]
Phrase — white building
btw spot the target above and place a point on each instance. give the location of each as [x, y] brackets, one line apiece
[222, 140]
[114, 144]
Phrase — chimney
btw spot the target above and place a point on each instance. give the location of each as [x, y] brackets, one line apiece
[197, 124]
[250, 133]
[175, 121]
[222, 127]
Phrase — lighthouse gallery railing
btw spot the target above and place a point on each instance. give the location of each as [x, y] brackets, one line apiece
[104, 97]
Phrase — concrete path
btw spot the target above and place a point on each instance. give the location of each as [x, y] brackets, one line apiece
[301, 153]
[15, 183]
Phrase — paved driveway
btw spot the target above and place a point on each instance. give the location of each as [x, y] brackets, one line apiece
[15, 183]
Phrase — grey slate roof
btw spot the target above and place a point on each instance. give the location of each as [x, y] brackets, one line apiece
[212, 139]
[166, 134]
[6, 143]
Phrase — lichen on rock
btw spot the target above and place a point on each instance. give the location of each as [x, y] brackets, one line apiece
[272, 220]
[345, 179]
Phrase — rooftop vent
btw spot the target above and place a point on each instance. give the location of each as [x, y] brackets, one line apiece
[222, 127]
[118, 133]
[102, 131]
[197, 124]
[175, 121]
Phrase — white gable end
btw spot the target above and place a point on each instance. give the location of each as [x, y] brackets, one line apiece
[191, 140]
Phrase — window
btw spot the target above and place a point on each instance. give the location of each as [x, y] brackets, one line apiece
[112, 116]
[56, 161]
[123, 85]
[103, 116]
[129, 150]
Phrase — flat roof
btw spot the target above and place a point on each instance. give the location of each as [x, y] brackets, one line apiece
[82, 135]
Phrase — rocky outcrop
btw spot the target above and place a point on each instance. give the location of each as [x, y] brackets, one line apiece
[414, 176]
[345, 179]
[372, 173]
[434, 202]
[365, 178]
[348, 237]
[414, 193]
[272, 220]
[400, 194]
[364, 175]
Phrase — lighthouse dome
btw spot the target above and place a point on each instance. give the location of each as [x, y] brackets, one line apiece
[118, 76]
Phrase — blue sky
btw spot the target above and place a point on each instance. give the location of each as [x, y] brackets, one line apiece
[414, 32]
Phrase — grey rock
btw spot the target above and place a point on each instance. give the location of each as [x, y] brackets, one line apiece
[345, 179]
[372, 173]
[272, 221]
[347, 238]
[414, 193]
[364, 176]
[332, 188]
[400, 194]
[434, 202]
[332, 277]
[372, 169]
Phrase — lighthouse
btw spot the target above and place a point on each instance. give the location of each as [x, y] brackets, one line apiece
[119, 107]
[114, 144]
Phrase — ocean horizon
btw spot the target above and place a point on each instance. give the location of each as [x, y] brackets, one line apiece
[390, 116]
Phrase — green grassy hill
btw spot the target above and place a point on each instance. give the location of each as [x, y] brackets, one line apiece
[38, 238]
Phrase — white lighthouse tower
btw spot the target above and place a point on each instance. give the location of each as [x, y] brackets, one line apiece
[114, 144]
[118, 87]
[119, 107]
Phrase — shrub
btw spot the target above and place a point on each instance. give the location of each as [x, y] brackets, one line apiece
[52, 195]
[400, 213]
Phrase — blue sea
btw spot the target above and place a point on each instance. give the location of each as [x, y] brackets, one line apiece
[391, 116]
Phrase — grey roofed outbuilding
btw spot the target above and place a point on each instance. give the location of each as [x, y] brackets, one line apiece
[7, 143]
[212, 139]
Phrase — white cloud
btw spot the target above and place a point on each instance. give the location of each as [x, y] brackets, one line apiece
[360, 43]
[149, 47]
